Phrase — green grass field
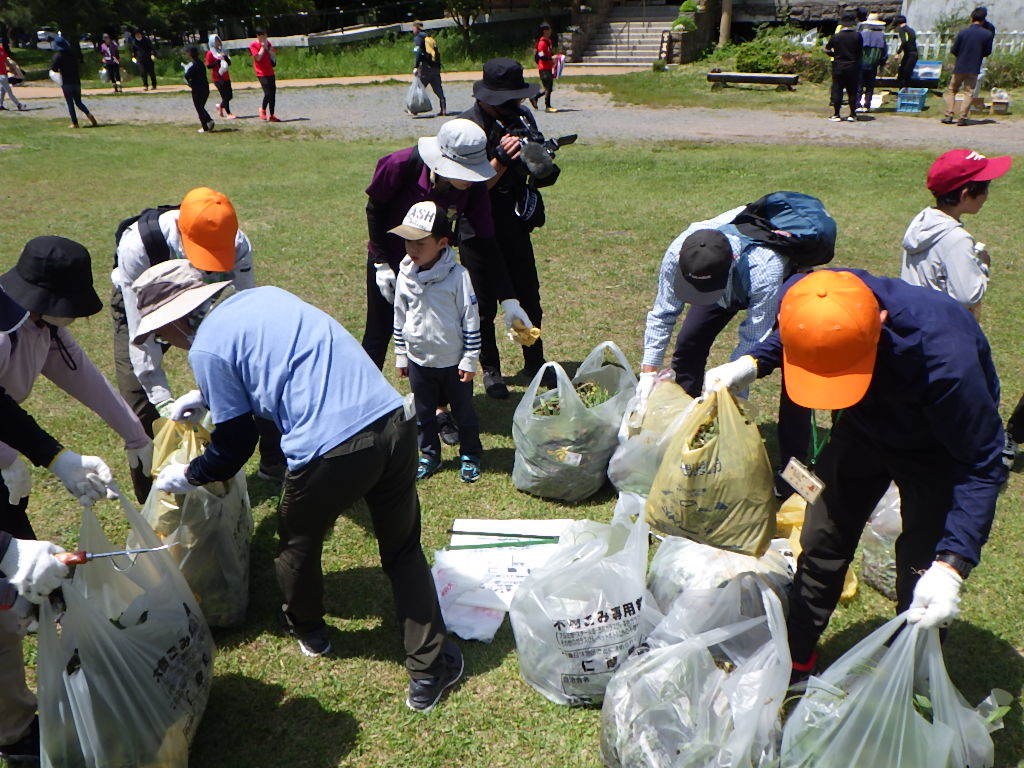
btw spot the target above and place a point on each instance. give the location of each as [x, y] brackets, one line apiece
[300, 199]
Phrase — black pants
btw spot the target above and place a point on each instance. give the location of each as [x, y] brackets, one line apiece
[73, 97]
[134, 394]
[226, 94]
[547, 79]
[14, 517]
[433, 387]
[378, 465]
[701, 326]
[269, 85]
[867, 87]
[199, 97]
[845, 81]
[432, 76]
[856, 470]
[906, 72]
[380, 320]
[147, 70]
[1015, 425]
[517, 248]
[113, 72]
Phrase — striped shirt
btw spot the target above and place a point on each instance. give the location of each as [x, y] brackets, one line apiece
[754, 284]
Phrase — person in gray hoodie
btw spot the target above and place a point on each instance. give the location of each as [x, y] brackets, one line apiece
[437, 336]
[937, 251]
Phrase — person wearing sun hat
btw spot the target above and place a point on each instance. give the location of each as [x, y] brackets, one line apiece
[266, 353]
[909, 377]
[204, 230]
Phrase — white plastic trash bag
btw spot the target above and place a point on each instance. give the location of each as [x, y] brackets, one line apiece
[416, 100]
[211, 527]
[563, 453]
[888, 701]
[125, 659]
[681, 565]
[579, 617]
[879, 543]
[56, 77]
[709, 692]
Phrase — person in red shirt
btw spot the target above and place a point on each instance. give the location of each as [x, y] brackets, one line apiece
[545, 57]
[263, 61]
[7, 64]
[218, 62]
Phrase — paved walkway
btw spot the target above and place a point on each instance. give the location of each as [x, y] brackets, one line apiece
[376, 111]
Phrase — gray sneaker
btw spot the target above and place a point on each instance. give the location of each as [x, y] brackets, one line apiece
[426, 692]
[494, 385]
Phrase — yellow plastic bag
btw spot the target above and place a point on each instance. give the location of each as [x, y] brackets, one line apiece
[715, 484]
[790, 524]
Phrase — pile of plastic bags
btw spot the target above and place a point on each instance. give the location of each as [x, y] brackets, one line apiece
[211, 528]
[715, 483]
[565, 455]
[125, 659]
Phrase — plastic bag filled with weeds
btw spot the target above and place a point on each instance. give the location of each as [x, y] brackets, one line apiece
[709, 691]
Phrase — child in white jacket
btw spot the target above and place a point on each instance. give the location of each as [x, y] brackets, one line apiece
[437, 336]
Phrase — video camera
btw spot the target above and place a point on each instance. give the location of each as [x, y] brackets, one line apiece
[538, 153]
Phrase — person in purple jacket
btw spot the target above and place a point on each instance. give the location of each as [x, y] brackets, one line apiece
[451, 170]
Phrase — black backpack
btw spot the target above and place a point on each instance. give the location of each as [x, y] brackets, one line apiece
[149, 229]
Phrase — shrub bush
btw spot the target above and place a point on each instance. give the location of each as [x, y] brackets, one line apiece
[1004, 70]
[774, 52]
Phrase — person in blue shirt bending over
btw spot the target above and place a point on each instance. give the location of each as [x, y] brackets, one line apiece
[266, 353]
[909, 377]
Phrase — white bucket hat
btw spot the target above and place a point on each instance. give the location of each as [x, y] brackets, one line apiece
[169, 291]
[459, 151]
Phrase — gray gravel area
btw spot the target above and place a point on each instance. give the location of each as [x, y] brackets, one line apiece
[377, 111]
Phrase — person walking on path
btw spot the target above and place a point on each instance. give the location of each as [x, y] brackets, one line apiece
[938, 252]
[65, 62]
[266, 353]
[845, 47]
[545, 58]
[52, 283]
[111, 62]
[909, 376]
[907, 51]
[264, 61]
[971, 46]
[144, 54]
[219, 63]
[874, 54]
[427, 64]
[437, 337]
[195, 76]
[8, 67]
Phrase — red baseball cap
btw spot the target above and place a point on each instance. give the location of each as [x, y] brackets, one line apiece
[958, 166]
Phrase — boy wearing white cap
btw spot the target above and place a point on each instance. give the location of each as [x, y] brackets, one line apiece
[437, 336]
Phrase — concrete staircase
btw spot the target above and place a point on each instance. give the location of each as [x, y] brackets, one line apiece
[631, 35]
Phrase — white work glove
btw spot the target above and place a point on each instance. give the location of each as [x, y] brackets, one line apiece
[172, 480]
[189, 407]
[87, 478]
[735, 376]
[644, 387]
[936, 597]
[512, 311]
[18, 480]
[141, 456]
[386, 281]
[32, 568]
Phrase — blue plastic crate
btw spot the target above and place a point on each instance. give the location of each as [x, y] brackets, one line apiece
[911, 99]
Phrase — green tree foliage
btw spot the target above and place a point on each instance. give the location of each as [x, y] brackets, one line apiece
[465, 12]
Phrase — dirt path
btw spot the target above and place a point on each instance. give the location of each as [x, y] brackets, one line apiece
[377, 111]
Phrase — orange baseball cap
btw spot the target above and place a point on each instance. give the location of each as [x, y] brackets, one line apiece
[830, 325]
[208, 226]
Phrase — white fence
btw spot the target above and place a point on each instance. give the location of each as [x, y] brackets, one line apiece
[933, 46]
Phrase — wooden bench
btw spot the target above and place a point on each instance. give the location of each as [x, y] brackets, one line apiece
[722, 79]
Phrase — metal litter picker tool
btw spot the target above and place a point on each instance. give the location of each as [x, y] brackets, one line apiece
[81, 556]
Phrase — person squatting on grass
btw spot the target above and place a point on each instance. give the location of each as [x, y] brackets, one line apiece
[65, 62]
[265, 353]
[845, 48]
[437, 337]
[219, 63]
[911, 375]
[195, 76]
[264, 60]
[111, 61]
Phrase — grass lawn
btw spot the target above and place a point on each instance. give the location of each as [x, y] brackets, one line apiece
[383, 56]
[687, 86]
[300, 199]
